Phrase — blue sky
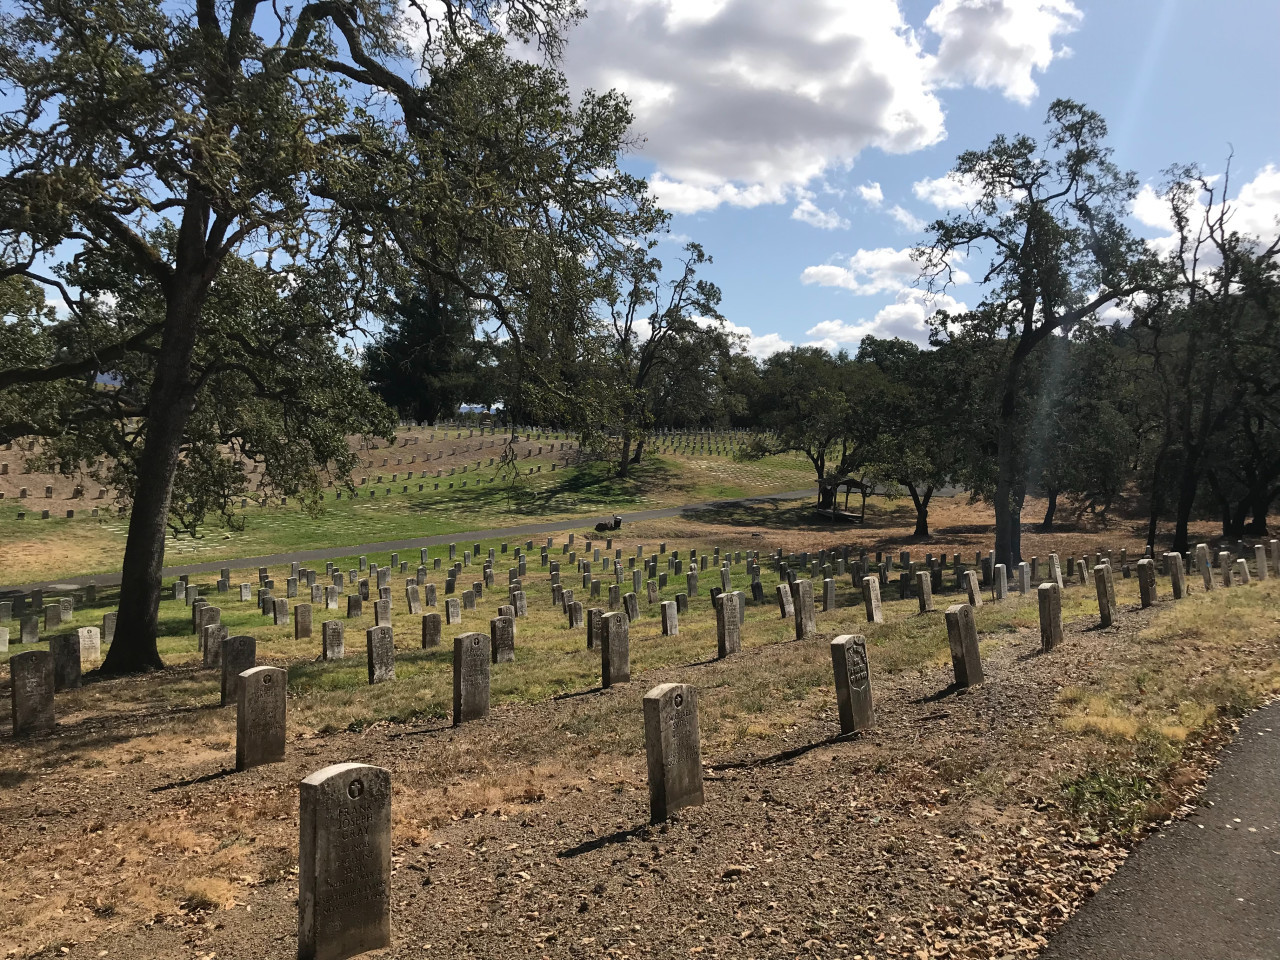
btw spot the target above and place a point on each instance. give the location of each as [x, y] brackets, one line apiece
[769, 123]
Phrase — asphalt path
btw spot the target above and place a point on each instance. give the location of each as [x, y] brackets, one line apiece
[1207, 887]
[330, 553]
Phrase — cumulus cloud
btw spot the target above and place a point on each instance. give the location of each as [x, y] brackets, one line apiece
[1254, 211]
[756, 346]
[906, 218]
[1000, 44]
[868, 272]
[907, 318]
[807, 211]
[742, 101]
[948, 192]
[871, 194]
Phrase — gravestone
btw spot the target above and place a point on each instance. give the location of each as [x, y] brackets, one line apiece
[382, 613]
[452, 611]
[575, 614]
[1106, 612]
[502, 637]
[1177, 575]
[615, 649]
[238, 655]
[682, 603]
[728, 627]
[246, 593]
[1224, 568]
[66, 661]
[30, 632]
[673, 749]
[1147, 581]
[333, 646]
[280, 612]
[470, 677]
[1000, 582]
[1024, 577]
[785, 605]
[344, 862]
[631, 606]
[924, 590]
[806, 620]
[52, 615]
[828, 595]
[1242, 568]
[301, 621]
[31, 692]
[962, 635]
[1204, 566]
[594, 627]
[871, 599]
[355, 606]
[853, 683]
[1260, 560]
[1049, 596]
[211, 637]
[670, 619]
[1055, 570]
[381, 648]
[260, 717]
[972, 588]
[431, 630]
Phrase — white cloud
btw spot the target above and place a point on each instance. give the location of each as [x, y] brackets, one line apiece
[1000, 43]
[948, 192]
[808, 212]
[905, 318]
[906, 218]
[868, 272]
[1254, 211]
[871, 194]
[758, 347]
[743, 101]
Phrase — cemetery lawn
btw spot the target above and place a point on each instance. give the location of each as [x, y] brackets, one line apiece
[966, 824]
[37, 550]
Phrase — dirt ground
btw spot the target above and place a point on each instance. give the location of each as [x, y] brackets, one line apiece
[942, 833]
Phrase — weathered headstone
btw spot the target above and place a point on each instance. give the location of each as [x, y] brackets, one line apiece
[1147, 581]
[413, 599]
[924, 590]
[355, 606]
[962, 635]
[615, 649]
[381, 648]
[871, 599]
[631, 606]
[30, 632]
[673, 749]
[828, 595]
[65, 648]
[238, 655]
[302, 621]
[670, 619]
[1024, 577]
[1177, 575]
[785, 605]
[853, 683]
[344, 862]
[1106, 612]
[1204, 566]
[31, 685]
[471, 660]
[333, 645]
[211, 637]
[1049, 596]
[502, 637]
[972, 588]
[728, 628]
[260, 717]
[453, 610]
[1224, 569]
[806, 620]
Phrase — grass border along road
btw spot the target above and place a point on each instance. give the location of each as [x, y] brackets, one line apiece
[330, 553]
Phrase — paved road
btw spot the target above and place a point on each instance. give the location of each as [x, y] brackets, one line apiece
[330, 553]
[1208, 887]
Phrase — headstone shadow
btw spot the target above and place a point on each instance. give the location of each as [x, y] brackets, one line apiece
[597, 843]
[947, 691]
[192, 781]
[785, 756]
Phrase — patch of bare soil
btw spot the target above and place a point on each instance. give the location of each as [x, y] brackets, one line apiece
[937, 835]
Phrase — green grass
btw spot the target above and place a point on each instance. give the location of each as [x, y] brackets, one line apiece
[48, 549]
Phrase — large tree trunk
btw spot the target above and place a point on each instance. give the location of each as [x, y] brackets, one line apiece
[921, 502]
[1261, 506]
[1188, 483]
[170, 404]
[1050, 511]
[1008, 505]
[624, 462]
[635, 457]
